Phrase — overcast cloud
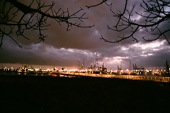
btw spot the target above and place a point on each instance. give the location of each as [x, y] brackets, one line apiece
[66, 48]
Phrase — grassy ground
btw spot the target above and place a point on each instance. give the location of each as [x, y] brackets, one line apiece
[29, 94]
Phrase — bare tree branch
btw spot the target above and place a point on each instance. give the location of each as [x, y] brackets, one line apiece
[26, 18]
[154, 15]
[95, 5]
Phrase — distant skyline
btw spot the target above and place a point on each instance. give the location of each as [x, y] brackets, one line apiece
[66, 48]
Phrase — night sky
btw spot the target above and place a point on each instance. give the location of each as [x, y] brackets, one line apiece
[64, 48]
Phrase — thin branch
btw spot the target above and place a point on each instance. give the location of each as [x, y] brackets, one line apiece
[95, 5]
[35, 19]
[154, 14]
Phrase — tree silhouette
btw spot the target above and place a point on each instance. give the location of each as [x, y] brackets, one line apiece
[155, 14]
[100, 3]
[17, 18]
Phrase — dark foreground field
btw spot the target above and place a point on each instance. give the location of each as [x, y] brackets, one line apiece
[28, 94]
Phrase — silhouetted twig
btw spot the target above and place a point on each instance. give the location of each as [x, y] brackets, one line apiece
[95, 5]
[18, 18]
[154, 15]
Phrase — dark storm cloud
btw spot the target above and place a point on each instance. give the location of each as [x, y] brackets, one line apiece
[67, 48]
[43, 54]
[150, 54]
